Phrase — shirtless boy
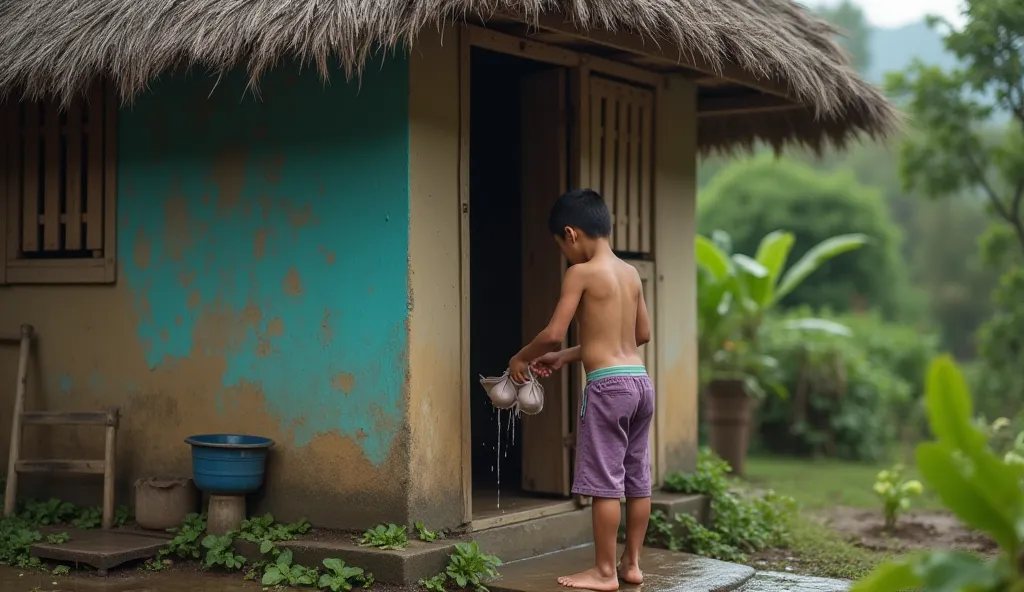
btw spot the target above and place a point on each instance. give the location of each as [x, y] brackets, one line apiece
[604, 293]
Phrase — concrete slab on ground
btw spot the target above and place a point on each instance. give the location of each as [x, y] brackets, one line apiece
[407, 566]
[100, 548]
[664, 571]
[402, 567]
[770, 581]
[698, 506]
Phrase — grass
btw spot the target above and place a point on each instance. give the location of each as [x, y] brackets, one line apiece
[817, 551]
[817, 485]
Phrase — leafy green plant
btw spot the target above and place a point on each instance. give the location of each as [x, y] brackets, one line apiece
[736, 292]
[123, 516]
[154, 565]
[972, 481]
[17, 535]
[48, 512]
[220, 551]
[185, 543]
[468, 566]
[895, 493]
[283, 571]
[1001, 434]
[740, 523]
[435, 583]
[390, 536]
[425, 534]
[61, 570]
[850, 397]
[88, 518]
[263, 531]
[58, 539]
[341, 577]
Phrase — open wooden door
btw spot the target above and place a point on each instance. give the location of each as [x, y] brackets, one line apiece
[647, 352]
[544, 171]
[612, 153]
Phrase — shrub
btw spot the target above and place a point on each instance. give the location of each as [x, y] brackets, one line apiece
[741, 522]
[982, 489]
[752, 198]
[846, 392]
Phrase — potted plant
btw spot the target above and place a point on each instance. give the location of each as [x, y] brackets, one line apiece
[735, 293]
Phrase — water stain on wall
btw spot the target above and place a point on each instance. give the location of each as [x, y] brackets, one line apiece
[256, 238]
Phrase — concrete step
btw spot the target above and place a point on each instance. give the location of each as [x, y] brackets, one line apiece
[768, 581]
[664, 571]
[545, 534]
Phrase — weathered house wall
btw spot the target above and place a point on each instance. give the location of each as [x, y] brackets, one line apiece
[262, 288]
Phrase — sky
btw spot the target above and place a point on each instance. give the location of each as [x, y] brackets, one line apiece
[896, 13]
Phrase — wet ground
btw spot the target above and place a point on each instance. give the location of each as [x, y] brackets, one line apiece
[694, 575]
[14, 580]
[767, 581]
[916, 530]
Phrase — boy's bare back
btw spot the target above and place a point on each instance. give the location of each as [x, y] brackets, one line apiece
[611, 313]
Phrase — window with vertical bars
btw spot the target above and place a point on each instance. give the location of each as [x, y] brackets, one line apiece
[59, 186]
[621, 159]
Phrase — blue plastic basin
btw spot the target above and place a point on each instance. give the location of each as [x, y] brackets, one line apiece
[228, 464]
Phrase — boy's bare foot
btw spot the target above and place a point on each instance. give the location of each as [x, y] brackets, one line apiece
[630, 573]
[591, 580]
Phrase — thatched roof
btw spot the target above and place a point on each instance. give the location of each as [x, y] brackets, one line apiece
[53, 47]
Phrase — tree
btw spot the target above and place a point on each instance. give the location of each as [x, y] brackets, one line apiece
[954, 148]
[856, 32]
[753, 198]
[959, 147]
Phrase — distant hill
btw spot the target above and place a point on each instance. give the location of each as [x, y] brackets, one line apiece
[894, 49]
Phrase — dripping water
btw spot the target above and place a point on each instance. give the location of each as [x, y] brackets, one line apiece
[510, 440]
[499, 460]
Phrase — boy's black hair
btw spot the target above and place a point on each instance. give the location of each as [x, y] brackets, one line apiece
[583, 209]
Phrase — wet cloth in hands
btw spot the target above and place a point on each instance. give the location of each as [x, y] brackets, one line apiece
[506, 393]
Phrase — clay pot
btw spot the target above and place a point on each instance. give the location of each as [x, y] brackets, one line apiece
[163, 502]
[729, 409]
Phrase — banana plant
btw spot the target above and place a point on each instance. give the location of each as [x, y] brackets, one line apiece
[735, 292]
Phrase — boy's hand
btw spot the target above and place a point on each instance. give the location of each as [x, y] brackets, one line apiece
[517, 369]
[547, 364]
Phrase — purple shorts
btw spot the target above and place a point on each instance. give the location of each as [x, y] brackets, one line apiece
[613, 455]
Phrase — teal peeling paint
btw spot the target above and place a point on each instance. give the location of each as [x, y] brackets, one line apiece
[66, 383]
[224, 201]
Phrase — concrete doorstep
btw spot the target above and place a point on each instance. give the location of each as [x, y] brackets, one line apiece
[556, 537]
[664, 571]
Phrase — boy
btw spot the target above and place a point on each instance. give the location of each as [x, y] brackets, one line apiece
[612, 453]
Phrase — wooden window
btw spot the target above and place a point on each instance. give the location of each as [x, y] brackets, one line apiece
[621, 159]
[58, 186]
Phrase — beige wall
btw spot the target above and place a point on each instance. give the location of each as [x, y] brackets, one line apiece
[262, 288]
[675, 195]
[435, 332]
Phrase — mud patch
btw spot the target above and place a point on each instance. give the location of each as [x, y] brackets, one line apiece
[916, 530]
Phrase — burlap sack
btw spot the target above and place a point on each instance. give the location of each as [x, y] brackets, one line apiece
[531, 395]
[500, 389]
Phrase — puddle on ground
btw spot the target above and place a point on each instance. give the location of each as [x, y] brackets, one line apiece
[17, 580]
[766, 581]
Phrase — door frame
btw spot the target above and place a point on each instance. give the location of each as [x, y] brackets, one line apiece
[580, 65]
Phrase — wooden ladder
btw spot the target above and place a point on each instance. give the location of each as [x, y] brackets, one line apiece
[21, 418]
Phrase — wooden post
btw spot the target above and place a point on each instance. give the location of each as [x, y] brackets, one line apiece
[19, 407]
[109, 456]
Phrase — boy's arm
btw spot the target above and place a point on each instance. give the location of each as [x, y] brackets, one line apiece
[643, 320]
[571, 354]
[549, 339]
